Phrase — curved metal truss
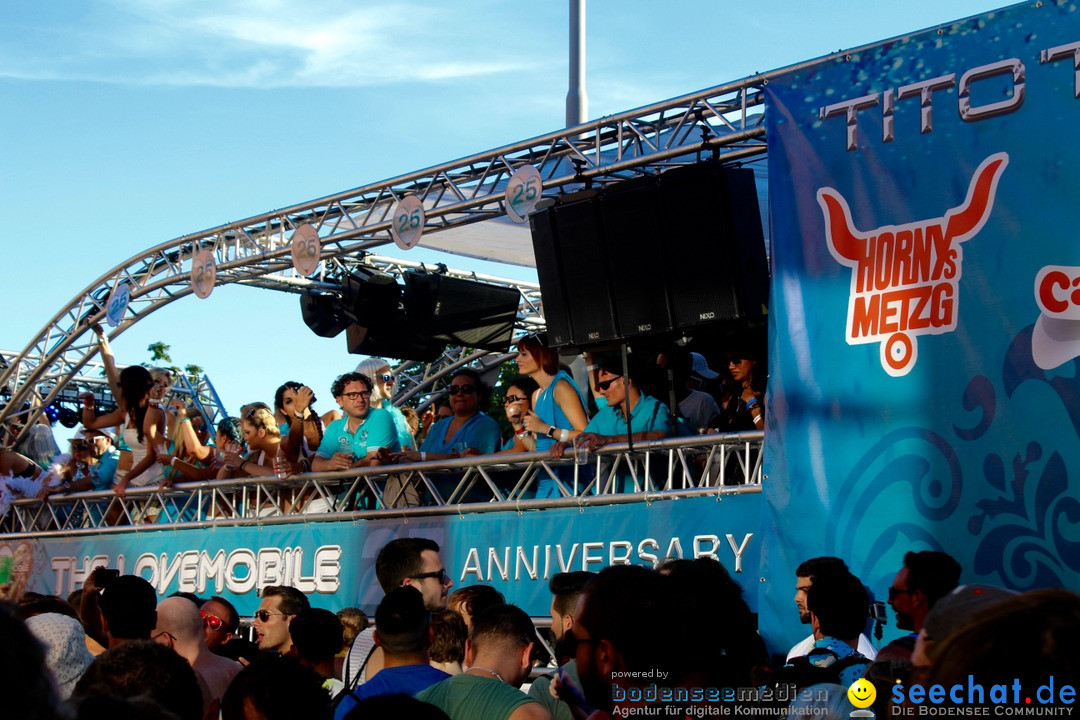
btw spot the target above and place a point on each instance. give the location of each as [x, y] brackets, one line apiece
[712, 464]
[726, 122]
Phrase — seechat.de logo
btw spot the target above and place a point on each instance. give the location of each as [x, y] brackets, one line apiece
[1012, 699]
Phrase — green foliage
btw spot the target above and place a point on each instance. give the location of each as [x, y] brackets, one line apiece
[159, 352]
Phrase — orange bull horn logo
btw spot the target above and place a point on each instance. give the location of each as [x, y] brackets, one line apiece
[905, 278]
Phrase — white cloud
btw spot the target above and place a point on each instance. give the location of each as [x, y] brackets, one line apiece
[260, 44]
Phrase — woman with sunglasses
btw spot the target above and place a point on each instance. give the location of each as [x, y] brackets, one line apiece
[745, 409]
[468, 431]
[382, 396]
[517, 401]
[144, 427]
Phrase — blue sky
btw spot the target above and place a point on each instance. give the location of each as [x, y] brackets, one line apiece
[124, 124]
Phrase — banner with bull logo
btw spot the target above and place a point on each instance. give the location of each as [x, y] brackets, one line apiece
[925, 327]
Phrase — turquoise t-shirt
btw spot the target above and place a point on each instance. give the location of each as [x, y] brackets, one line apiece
[648, 415]
[405, 436]
[375, 431]
[103, 473]
[479, 432]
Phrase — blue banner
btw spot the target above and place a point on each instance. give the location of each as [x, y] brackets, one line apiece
[925, 325]
[334, 562]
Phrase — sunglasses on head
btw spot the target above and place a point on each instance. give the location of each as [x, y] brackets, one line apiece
[605, 384]
[212, 621]
[80, 445]
[467, 389]
[513, 399]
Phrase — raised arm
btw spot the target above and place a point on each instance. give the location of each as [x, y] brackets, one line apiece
[111, 373]
[96, 422]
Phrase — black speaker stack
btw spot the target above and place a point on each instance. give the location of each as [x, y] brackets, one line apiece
[652, 255]
[417, 321]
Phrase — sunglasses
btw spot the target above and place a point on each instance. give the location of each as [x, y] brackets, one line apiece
[212, 621]
[164, 634]
[387, 378]
[513, 399]
[605, 384]
[440, 575]
[467, 389]
[735, 359]
[893, 592]
[264, 615]
[362, 394]
[81, 446]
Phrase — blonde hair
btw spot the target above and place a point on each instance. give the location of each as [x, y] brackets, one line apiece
[371, 367]
[158, 372]
[261, 417]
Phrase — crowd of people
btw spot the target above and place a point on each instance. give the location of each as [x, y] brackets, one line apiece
[147, 441]
[675, 640]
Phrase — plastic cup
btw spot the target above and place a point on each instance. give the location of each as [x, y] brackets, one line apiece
[280, 467]
[581, 454]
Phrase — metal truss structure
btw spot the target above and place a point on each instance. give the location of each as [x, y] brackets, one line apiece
[656, 470]
[725, 122]
[200, 394]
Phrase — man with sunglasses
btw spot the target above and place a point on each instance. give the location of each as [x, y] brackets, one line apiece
[220, 622]
[279, 605]
[95, 460]
[180, 626]
[648, 418]
[925, 578]
[365, 436]
[413, 562]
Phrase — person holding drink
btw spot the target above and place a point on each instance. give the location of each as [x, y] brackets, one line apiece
[366, 436]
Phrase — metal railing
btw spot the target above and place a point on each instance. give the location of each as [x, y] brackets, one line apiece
[676, 467]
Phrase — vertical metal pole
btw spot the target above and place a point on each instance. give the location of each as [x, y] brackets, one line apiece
[577, 103]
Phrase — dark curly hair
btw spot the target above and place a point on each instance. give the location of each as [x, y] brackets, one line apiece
[342, 380]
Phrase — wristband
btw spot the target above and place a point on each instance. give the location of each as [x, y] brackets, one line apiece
[564, 435]
[172, 462]
[592, 367]
[520, 431]
[299, 415]
[751, 402]
[186, 419]
[242, 464]
[423, 456]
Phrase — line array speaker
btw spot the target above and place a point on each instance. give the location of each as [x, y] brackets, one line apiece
[651, 255]
[461, 312]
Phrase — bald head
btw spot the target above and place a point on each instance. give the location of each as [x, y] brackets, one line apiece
[180, 618]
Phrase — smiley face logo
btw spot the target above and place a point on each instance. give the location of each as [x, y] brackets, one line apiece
[862, 693]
